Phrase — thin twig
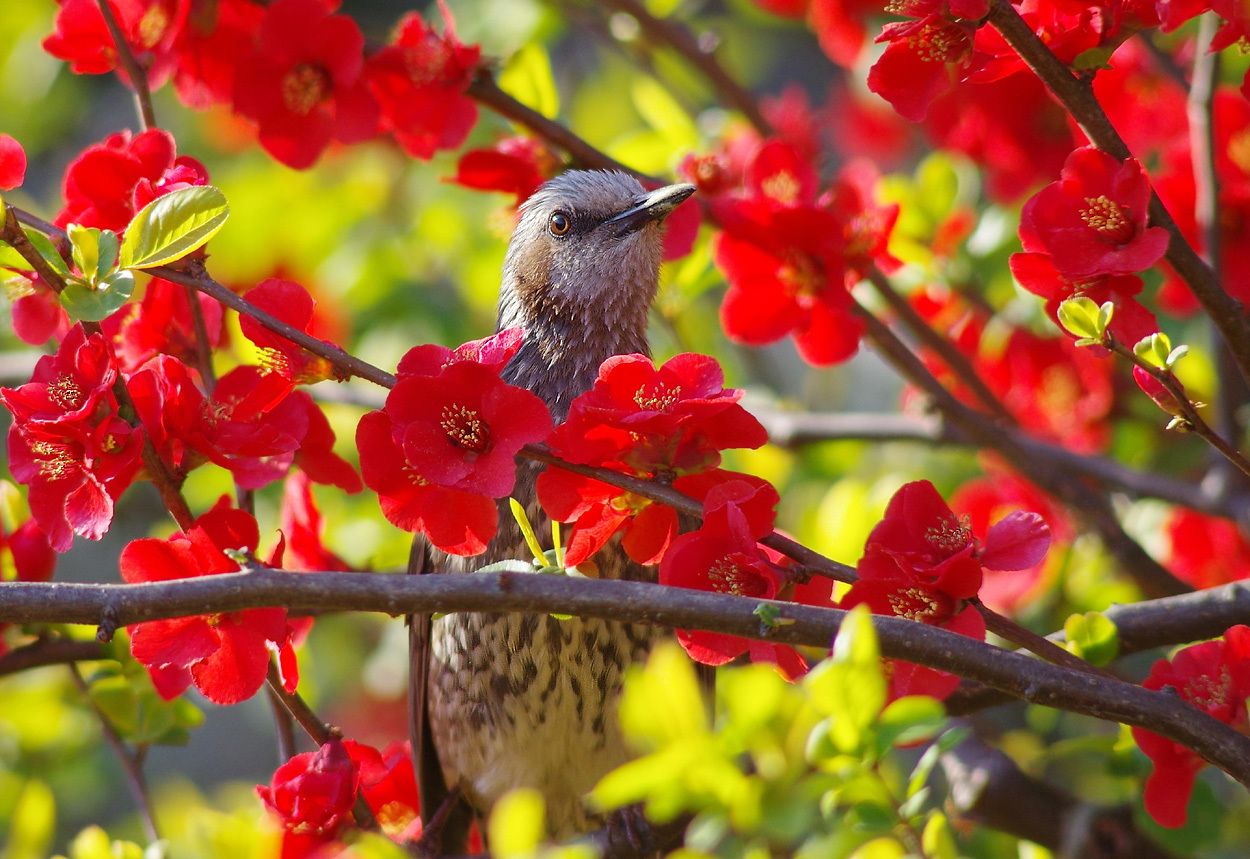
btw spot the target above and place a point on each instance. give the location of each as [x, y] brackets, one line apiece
[484, 90]
[138, 77]
[945, 350]
[132, 762]
[667, 32]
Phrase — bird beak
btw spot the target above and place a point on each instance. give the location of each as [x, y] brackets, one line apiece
[650, 207]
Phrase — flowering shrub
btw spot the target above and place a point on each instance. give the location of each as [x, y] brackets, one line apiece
[1017, 207]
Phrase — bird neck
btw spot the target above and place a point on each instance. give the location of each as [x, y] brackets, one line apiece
[564, 345]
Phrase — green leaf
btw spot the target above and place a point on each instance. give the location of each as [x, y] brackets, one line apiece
[1154, 350]
[1092, 636]
[33, 822]
[849, 686]
[663, 113]
[172, 226]
[911, 720]
[937, 839]
[661, 702]
[516, 823]
[527, 78]
[48, 251]
[91, 305]
[85, 248]
[1080, 317]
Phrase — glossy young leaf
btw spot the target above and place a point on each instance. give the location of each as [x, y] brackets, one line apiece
[173, 225]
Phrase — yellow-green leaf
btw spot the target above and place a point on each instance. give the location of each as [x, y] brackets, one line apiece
[172, 226]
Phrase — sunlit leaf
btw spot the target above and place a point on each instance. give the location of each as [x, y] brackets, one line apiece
[172, 226]
[527, 77]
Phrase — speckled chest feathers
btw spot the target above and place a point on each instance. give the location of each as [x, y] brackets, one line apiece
[527, 700]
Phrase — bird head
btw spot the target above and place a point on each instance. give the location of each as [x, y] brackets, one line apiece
[581, 270]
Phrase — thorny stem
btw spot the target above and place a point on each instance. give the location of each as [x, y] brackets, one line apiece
[131, 761]
[138, 76]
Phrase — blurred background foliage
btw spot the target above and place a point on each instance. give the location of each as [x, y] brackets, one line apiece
[396, 256]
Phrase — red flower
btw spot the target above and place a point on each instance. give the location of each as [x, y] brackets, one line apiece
[722, 556]
[784, 255]
[303, 526]
[1059, 391]
[12, 163]
[420, 80]
[922, 562]
[389, 785]
[1214, 677]
[430, 359]
[211, 47]
[225, 655]
[110, 181]
[67, 442]
[460, 523]
[302, 82]
[643, 421]
[1092, 221]
[150, 28]
[292, 304]
[922, 58]
[162, 324]
[515, 166]
[462, 428]
[1131, 322]
[34, 560]
[37, 312]
[986, 501]
[312, 796]
[1205, 551]
[1012, 129]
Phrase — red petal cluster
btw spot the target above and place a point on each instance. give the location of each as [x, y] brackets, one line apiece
[253, 424]
[1214, 677]
[162, 323]
[312, 796]
[31, 559]
[420, 81]
[225, 655]
[924, 56]
[302, 82]
[1205, 551]
[445, 443]
[291, 303]
[108, 182]
[922, 562]
[790, 256]
[723, 556]
[67, 442]
[1086, 234]
[645, 421]
[515, 166]
[150, 28]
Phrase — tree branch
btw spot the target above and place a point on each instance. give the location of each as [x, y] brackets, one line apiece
[138, 77]
[636, 602]
[1078, 97]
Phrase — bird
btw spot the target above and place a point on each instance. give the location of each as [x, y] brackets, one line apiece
[510, 700]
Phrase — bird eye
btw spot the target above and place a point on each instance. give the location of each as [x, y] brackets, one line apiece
[559, 224]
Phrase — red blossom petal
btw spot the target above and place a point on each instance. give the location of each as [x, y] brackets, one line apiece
[12, 163]
[1018, 541]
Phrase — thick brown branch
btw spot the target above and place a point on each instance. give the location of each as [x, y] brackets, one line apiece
[638, 602]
